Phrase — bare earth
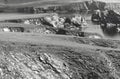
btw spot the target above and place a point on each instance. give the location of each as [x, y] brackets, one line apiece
[39, 56]
[35, 56]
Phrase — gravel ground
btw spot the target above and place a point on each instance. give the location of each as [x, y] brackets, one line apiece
[34, 56]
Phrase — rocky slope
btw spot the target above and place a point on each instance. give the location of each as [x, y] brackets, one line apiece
[59, 5]
[63, 5]
[34, 56]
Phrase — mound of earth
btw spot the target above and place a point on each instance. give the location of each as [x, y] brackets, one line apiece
[35, 56]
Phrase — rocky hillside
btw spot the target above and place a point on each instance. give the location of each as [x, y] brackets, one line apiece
[67, 5]
[71, 5]
[113, 6]
[34, 56]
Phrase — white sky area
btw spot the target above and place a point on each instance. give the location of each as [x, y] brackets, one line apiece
[107, 1]
[114, 1]
[22, 1]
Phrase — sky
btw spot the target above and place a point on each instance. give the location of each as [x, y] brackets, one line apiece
[113, 1]
[22, 1]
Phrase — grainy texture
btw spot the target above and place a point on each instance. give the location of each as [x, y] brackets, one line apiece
[25, 60]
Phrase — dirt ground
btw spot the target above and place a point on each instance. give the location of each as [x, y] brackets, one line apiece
[51, 56]
[35, 56]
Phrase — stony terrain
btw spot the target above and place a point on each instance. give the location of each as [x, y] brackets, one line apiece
[35, 56]
[39, 56]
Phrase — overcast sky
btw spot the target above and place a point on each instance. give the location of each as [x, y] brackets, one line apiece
[22, 1]
[116, 1]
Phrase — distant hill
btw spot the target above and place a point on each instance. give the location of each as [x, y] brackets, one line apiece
[71, 5]
[38, 3]
[23, 3]
[26, 1]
